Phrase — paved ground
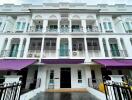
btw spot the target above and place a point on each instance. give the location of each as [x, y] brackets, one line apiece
[64, 96]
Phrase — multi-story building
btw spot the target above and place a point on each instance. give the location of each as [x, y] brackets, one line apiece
[65, 45]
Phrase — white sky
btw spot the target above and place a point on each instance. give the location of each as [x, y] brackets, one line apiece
[90, 2]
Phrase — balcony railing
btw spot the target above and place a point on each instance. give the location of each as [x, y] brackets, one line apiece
[33, 53]
[49, 53]
[93, 29]
[78, 53]
[48, 29]
[34, 29]
[94, 53]
[118, 53]
[64, 52]
[9, 53]
[77, 29]
[64, 29]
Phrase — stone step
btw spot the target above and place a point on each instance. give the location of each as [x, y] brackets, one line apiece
[67, 90]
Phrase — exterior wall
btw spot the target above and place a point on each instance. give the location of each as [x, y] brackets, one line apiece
[85, 14]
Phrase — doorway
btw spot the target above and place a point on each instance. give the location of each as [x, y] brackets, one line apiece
[65, 81]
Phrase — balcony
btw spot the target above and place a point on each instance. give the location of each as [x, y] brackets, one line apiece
[51, 30]
[10, 53]
[36, 29]
[64, 29]
[78, 53]
[78, 30]
[92, 29]
[33, 54]
[94, 51]
[49, 53]
[64, 52]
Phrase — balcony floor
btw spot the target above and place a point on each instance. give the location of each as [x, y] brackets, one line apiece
[64, 96]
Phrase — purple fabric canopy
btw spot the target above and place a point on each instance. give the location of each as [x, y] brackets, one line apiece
[62, 61]
[115, 63]
[15, 64]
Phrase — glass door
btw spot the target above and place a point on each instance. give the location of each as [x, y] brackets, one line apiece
[114, 50]
[64, 47]
[14, 50]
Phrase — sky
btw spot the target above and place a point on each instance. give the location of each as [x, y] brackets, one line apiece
[89, 2]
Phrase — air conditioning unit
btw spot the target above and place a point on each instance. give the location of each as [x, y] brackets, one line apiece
[30, 55]
[75, 53]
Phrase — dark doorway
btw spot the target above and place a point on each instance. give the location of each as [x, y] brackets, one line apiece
[23, 72]
[65, 81]
[106, 73]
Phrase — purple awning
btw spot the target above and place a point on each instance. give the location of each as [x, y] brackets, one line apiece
[62, 61]
[15, 64]
[115, 63]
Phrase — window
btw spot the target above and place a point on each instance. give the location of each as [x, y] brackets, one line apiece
[53, 26]
[18, 25]
[128, 25]
[107, 26]
[75, 28]
[114, 50]
[77, 46]
[79, 76]
[93, 44]
[51, 76]
[23, 25]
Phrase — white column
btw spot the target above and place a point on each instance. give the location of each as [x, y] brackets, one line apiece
[87, 75]
[42, 49]
[108, 47]
[42, 78]
[26, 47]
[86, 50]
[70, 25]
[119, 44]
[83, 22]
[31, 24]
[70, 46]
[101, 47]
[58, 26]
[45, 23]
[20, 47]
[8, 44]
[128, 46]
[2, 43]
[57, 47]
[5, 27]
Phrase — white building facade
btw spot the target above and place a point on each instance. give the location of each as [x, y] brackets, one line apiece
[67, 40]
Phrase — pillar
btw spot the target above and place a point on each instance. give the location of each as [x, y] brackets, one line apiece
[42, 49]
[101, 47]
[26, 47]
[70, 25]
[83, 22]
[57, 47]
[108, 47]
